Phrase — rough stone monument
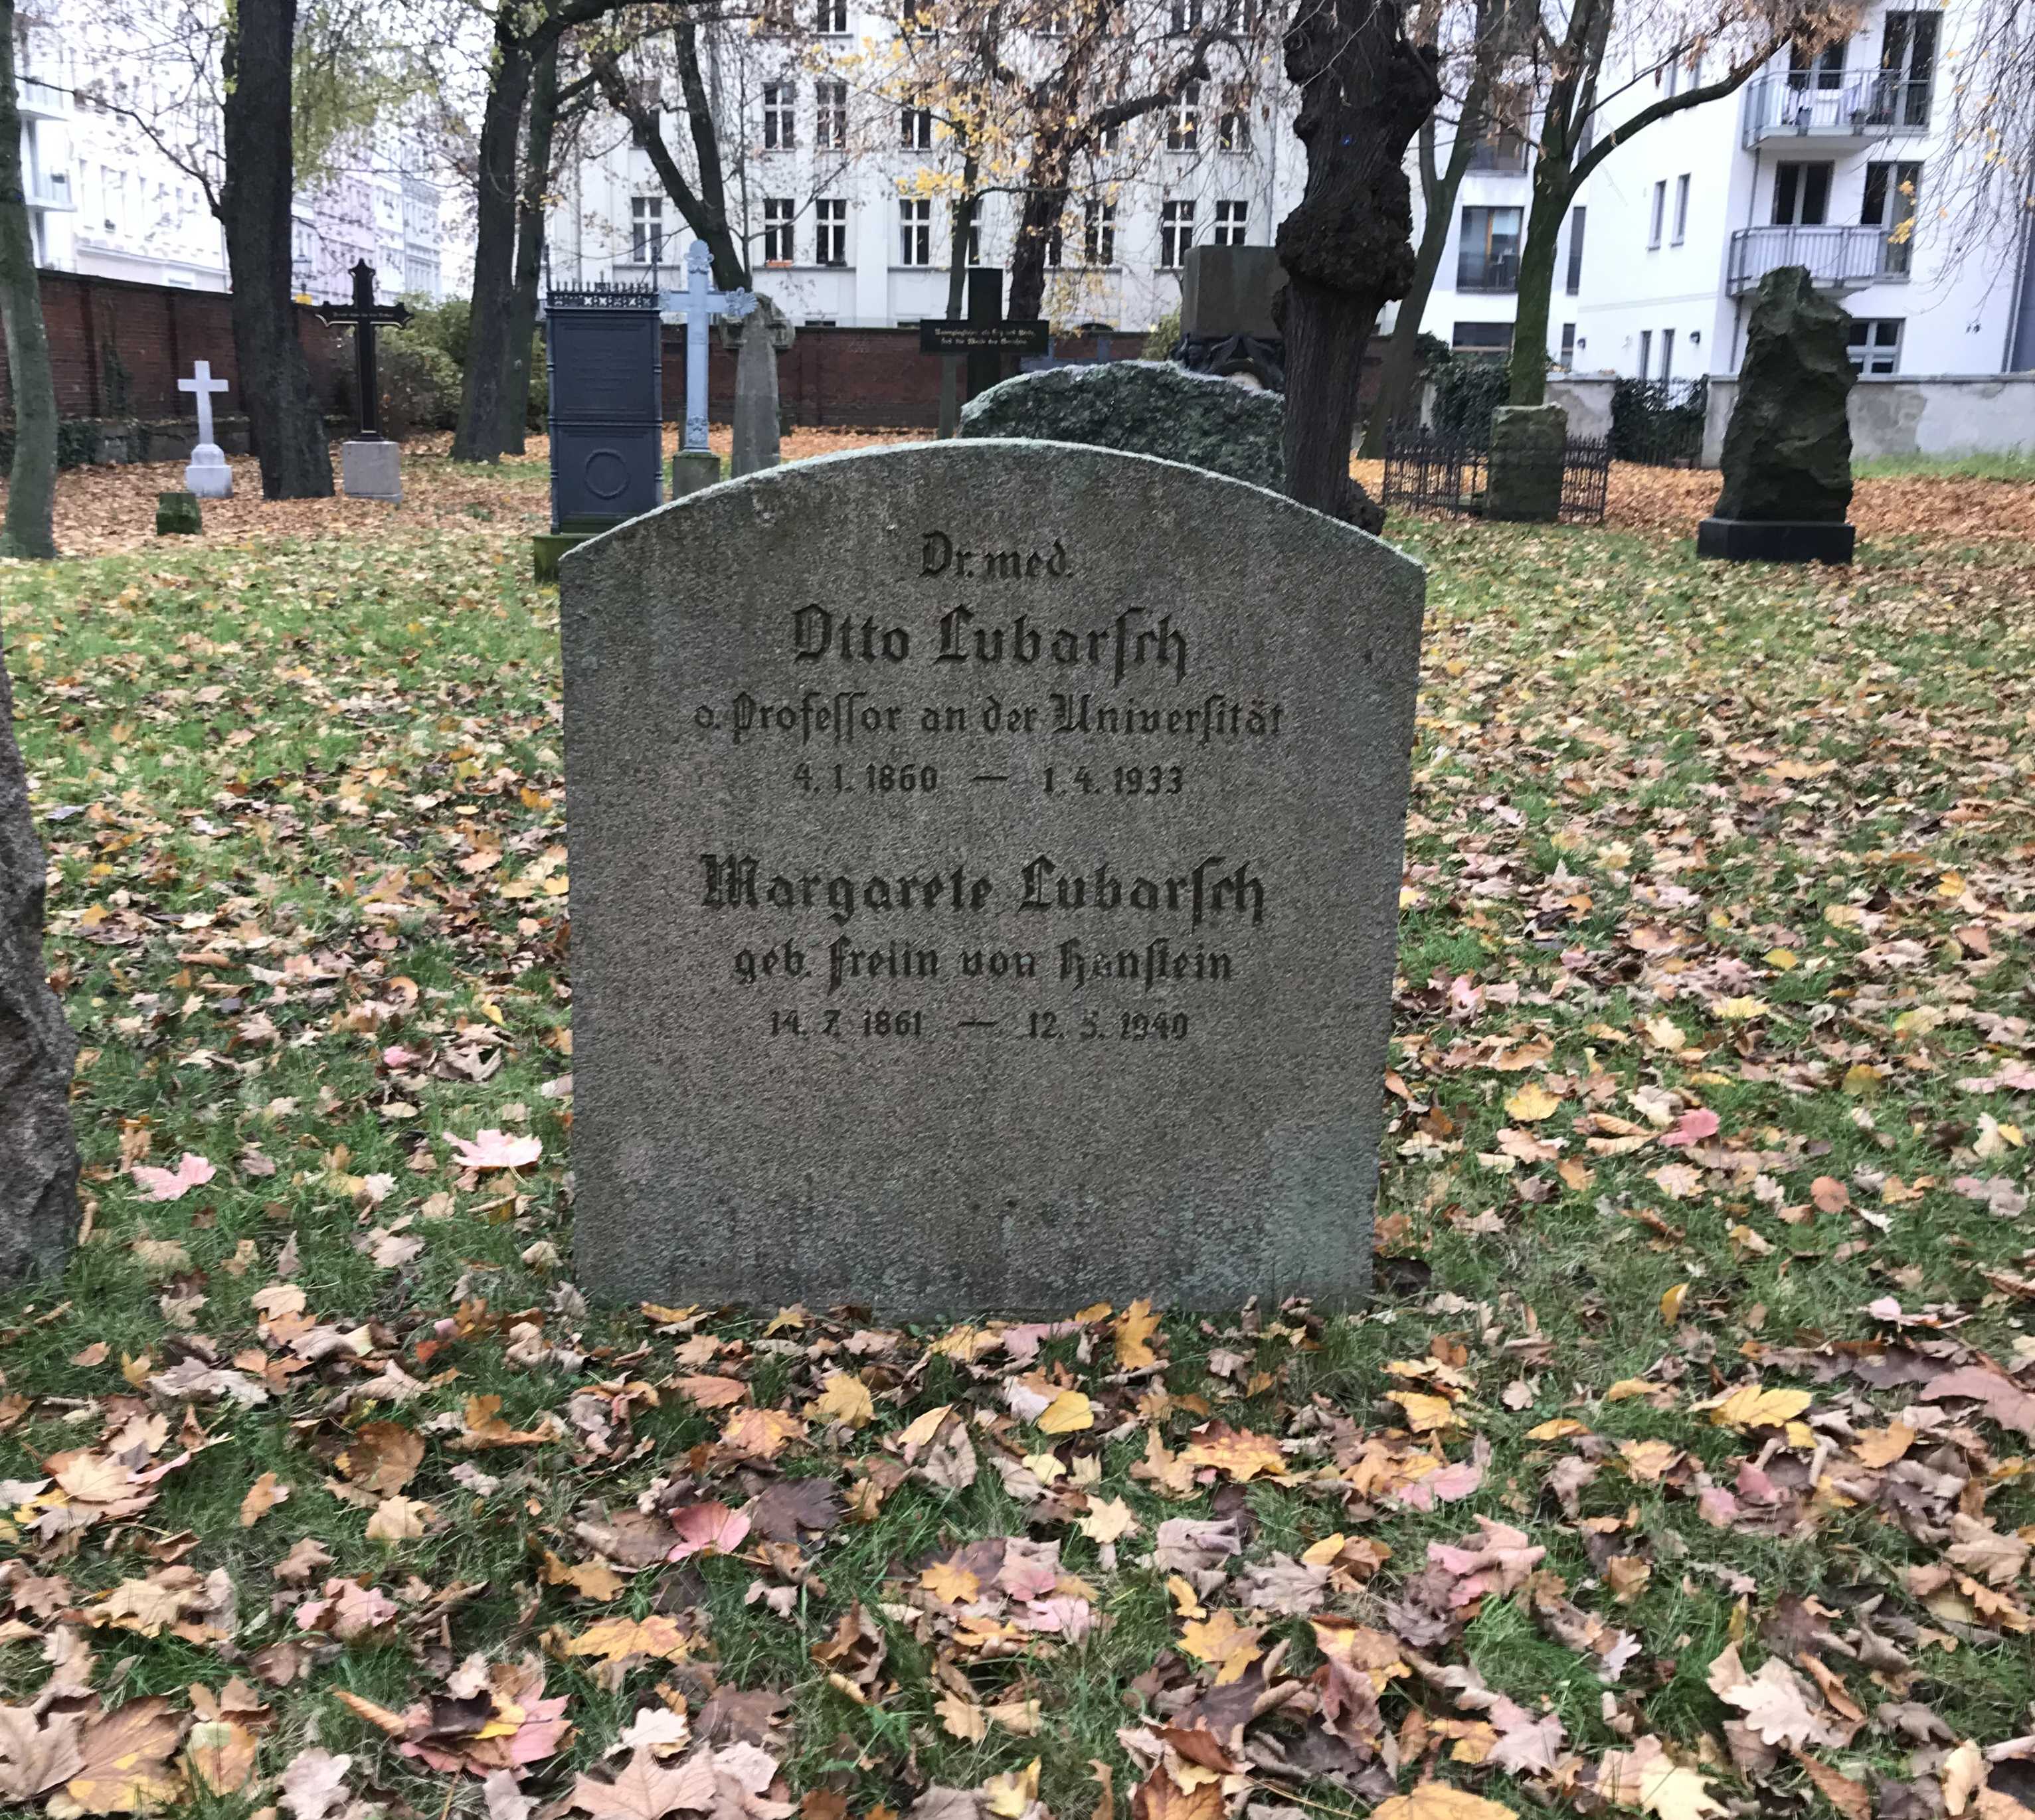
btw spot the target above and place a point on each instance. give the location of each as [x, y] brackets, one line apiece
[1787, 451]
[1529, 449]
[986, 860]
[207, 475]
[765, 332]
[178, 515]
[1145, 408]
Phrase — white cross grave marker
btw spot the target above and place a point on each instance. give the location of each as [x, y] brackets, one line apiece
[208, 476]
[699, 304]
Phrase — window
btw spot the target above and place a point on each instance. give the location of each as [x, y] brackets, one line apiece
[1801, 195]
[1499, 148]
[1568, 346]
[1176, 233]
[1822, 69]
[972, 254]
[830, 116]
[1231, 220]
[1577, 216]
[1232, 127]
[1890, 193]
[1875, 344]
[1112, 137]
[1186, 17]
[915, 129]
[777, 230]
[1488, 253]
[1099, 233]
[832, 19]
[1658, 214]
[916, 215]
[1667, 353]
[830, 231]
[1682, 207]
[780, 131]
[1491, 340]
[1183, 123]
[1646, 350]
[1907, 69]
[646, 229]
[1056, 247]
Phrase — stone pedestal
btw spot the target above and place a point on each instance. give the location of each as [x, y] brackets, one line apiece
[1528, 445]
[371, 470]
[547, 546]
[1776, 540]
[208, 476]
[692, 469]
[178, 515]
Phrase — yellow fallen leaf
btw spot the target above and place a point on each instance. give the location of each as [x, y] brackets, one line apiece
[1009, 1795]
[844, 1397]
[1531, 1103]
[1425, 1414]
[951, 1584]
[1067, 1412]
[1671, 1304]
[1749, 1407]
[615, 1639]
[922, 1431]
[1882, 1446]
[1133, 1330]
[1441, 1801]
[262, 1497]
[1221, 1639]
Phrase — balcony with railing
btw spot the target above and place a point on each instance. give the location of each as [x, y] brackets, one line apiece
[1839, 258]
[1871, 104]
[1480, 271]
[35, 99]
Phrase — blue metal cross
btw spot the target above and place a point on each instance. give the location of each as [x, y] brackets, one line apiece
[699, 303]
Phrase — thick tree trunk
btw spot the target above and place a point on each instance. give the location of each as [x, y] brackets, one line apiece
[286, 426]
[1527, 375]
[529, 250]
[38, 1151]
[31, 482]
[1045, 202]
[479, 436]
[1347, 248]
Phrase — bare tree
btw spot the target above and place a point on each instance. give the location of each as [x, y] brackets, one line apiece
[1581, 124]
[1364, 88]
[553, 106]
[32, 480]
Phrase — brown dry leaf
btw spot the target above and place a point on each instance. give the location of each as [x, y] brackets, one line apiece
[221, 1754]
[1853, 1799]
[1441, 1801]
[594, 1580]
[2005, 1401]
[761, 1434]
[1235, 1452]
[383, 1457]
[1159, 1797]
[615, 1639]
[262, 1497]
[645, 1789]
[127, 1752]
[399, 1520]
[35, 1754]
[711, 1393]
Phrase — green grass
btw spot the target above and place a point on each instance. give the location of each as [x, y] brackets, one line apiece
[271, 778]
[2011, 464]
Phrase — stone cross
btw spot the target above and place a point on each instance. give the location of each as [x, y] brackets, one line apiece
[699, 303]
[202, 383]
[207, 475]
[362, 316]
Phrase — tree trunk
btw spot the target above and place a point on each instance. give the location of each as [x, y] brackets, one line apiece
[1347, 247]
[529, 250]
[38, 1150]
[479, 436]
[31, 483]
[1527, 375]
[1402, 354]
[1045, 202]
[964, 218]
[283, 420]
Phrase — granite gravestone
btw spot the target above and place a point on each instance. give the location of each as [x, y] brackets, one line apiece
[985, 859]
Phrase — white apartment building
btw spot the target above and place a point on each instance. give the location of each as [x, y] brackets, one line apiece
[105, 200]
[1842, 164]
[836, 187]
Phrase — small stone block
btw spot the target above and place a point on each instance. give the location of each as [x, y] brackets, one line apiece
[693, 469]
[178, 515]
[1529, 448]
[1776, 540]
[208, 476]
[547, 546]
[371, 470]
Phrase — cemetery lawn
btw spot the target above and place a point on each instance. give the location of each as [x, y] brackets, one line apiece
[1681, 1466]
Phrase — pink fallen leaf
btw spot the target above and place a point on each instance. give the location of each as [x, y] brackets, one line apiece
[709, 1526]
[192, 1171]
[1697, 1123]
[493, 1149]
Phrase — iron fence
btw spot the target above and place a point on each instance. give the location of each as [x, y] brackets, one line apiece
[1427, 472]
[1659, 422]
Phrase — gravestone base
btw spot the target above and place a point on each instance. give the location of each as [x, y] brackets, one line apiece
[1528, 445]
[1776, 540]
[692, 469]
[547, 546]
[371, 470]
[208, 476]
[178, 515]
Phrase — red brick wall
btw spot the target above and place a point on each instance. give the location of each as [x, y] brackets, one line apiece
[117, 349]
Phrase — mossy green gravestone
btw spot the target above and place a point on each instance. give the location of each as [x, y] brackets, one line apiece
[985, 859]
